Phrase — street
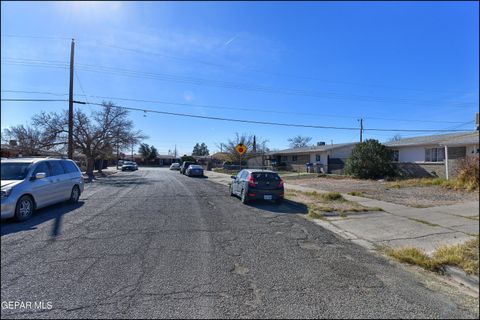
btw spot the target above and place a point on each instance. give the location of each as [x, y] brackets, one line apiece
[156, 244]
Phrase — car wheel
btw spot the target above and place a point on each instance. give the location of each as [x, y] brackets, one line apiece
[75, 195]
[24, 208]
[244, 198]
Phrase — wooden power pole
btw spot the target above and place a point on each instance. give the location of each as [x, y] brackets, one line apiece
[361, 130]
[70, 104]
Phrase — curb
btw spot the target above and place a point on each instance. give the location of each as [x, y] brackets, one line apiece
[462, 278]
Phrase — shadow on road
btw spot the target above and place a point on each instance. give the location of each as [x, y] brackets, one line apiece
[287, 207]
[42, 215]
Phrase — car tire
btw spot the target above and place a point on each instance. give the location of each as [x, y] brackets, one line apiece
[75, 195]
[244, 197]
[24, 208]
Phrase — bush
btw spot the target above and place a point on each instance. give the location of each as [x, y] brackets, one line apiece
[370, 160]
[468, 174]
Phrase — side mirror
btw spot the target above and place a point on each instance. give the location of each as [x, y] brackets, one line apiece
[39, 175]
[233, 177]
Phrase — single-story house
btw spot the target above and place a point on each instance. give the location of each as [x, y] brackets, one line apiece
[329, 158]
[436, 155]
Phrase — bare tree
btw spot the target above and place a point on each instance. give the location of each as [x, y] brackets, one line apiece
[93, 136]
[28, 140]
[299, 141]
[247, 140]
[396, 137]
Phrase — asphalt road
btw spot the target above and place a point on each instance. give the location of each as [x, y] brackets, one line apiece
[157, 244]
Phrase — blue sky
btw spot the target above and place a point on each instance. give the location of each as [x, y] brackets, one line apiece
[401, 65]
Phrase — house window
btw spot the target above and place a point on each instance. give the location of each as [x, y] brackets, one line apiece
[317, 157]
[395, 154]
[284, 158]
[434, 154]
[294, 158]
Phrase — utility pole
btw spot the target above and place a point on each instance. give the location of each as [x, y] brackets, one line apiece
[361, 130]
[70, 104]
[175, 152]
[117, 146]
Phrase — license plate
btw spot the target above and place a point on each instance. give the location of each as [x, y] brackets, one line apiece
[267, 197]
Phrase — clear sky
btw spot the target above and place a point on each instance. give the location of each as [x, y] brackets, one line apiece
[400, 65]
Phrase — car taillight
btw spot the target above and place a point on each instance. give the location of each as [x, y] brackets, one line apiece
[280, 185]
[251, 182]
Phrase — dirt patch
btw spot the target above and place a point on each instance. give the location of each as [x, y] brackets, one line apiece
[414, 196]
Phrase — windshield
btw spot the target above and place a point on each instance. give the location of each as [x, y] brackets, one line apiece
[15, 171]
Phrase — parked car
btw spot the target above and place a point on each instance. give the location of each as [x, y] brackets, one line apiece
[129, 165]
[28, 184]
[253, 184]
[175, 166]
[184, 166]
[194, 170]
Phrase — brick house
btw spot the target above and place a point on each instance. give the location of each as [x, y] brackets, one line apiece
[330, 158]
[437, 155]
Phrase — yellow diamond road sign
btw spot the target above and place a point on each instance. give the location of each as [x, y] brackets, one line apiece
[241, 148]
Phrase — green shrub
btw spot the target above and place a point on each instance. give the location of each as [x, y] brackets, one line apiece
[370, 160]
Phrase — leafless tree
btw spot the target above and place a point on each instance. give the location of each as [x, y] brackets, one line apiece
[247, 140]
[28, 140]
[93, 136]
[299, 141]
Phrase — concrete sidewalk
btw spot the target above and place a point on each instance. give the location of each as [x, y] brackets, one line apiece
[398, 225]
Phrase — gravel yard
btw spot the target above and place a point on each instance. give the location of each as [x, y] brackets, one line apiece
[412, 196]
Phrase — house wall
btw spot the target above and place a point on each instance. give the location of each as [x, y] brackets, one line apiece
[472, 150]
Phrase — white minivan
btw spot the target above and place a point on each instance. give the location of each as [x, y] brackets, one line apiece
[28, 184]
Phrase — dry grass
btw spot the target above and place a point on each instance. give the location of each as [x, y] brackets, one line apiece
[464, 256]
[417, 182]
[356, 193]
[318, 203]
[411, 255]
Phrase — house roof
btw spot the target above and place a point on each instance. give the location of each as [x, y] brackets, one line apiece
[312, 149]
[449, 139]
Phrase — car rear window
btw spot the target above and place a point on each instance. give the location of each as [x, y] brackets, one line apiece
[69, 166]
[265, 176]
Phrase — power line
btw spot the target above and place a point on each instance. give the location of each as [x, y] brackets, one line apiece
[34, 100]
[212, 83]
[265, 72]
[35, 37]
[42, 100]
[231, 66]
[236, 108]
[36, 92]
[268, 122]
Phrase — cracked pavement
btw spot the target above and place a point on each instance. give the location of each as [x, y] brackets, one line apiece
[157, 244]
